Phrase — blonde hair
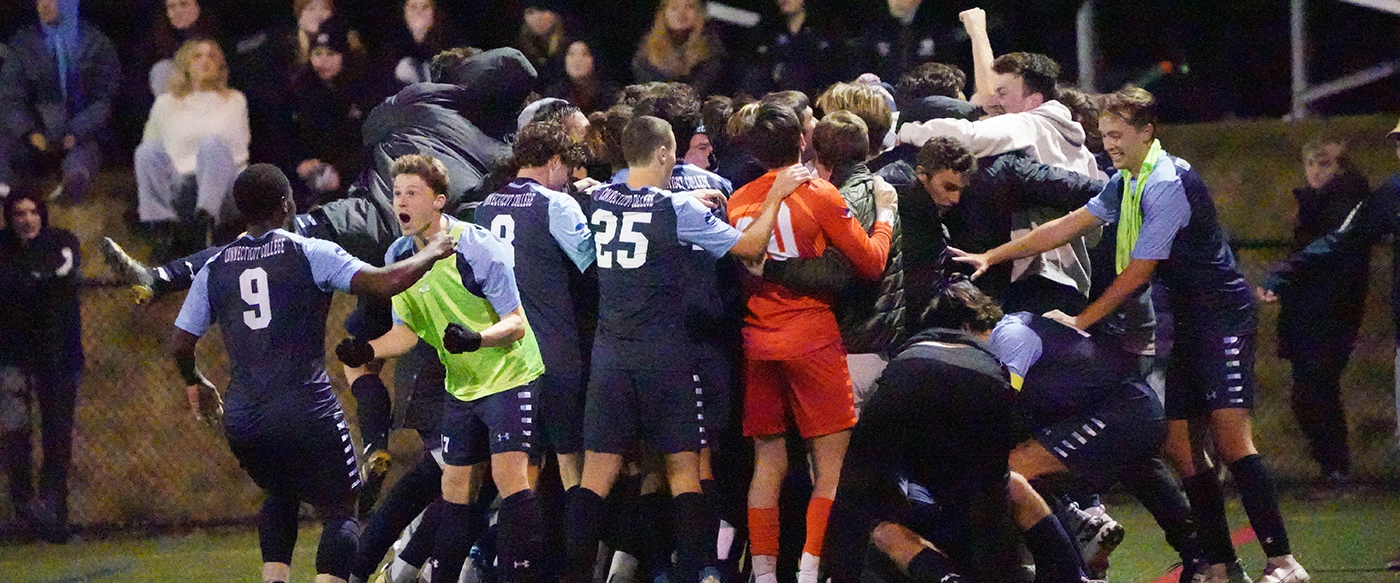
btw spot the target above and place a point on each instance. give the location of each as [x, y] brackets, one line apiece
[182, 84]
[676, 59]
[866, 102]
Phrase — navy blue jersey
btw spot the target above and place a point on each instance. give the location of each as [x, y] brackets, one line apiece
[1205, 289]
[270, 295]
[550, 236]
[715, 335]
[643, 240]
[1062, 372]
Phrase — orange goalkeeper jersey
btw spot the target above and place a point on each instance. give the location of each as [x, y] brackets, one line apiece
[783, 324]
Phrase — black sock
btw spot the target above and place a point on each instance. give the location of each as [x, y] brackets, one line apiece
[420, 545]
[584, 524]
[1208, 509]
[619, 508]
[340, 534]
[1152, 484]
[372, 410]
[1260, 502]
[410, 495]
[652, 521]
[519, 538]
[1056, 559]
[455, 534]
[696, 531]
[277, 528]
[930, 566]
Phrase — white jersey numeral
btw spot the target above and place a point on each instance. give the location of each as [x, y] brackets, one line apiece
[606, 223]
[504, 227]
[252, 284]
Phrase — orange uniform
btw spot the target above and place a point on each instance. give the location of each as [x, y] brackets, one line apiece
[791, 341]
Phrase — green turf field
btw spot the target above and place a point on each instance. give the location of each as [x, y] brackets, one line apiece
[1339, 542]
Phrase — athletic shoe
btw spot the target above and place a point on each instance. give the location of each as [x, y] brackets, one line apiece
[129, 271]
[1284, 569]
[1232, 572]
[1097, 535]
[1393, 564]
[376, 468]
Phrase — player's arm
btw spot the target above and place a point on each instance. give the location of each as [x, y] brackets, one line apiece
[867, 253]
[1016, 346]
[1367, 224]
[1129, 283]
[753, 243]
[193, 321]
[391, 279]
[487, 265]
[509, 329]
[570, 230]
[1041, 239]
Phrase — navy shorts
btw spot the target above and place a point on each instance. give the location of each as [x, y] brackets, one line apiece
[1209, 371]
[561, 404]
[472, 431]
[1119, 432]
[716, 379]
[313, 461]
[664, 408]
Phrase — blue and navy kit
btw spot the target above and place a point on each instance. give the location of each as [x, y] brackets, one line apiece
[270, 296]
[550, 235]
[1065, 373]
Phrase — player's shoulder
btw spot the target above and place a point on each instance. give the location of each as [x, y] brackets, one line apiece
[400, 249]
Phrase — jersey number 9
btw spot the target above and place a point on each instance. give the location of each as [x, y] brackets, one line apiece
[252, 284]
[605, 230]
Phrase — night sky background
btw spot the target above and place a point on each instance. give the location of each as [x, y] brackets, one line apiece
[1236, 52]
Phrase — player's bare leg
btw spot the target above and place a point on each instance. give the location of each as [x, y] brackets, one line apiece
[770, 467]
[570, 469]
[828, 451]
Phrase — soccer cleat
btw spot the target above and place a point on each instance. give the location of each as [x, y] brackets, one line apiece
[1097, 535]
[375, 469]
[129, 271]
[1232, 572]
[1284, 569]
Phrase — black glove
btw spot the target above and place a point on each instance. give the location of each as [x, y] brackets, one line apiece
[458, 339]
[354, 352]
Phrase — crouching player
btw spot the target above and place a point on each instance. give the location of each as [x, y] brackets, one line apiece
[469, 309]
[269, 291]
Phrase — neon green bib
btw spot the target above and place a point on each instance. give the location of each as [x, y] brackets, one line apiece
[1130, 208]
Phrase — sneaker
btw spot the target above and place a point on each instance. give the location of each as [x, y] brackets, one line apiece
[1284, 569]
[1097, 535]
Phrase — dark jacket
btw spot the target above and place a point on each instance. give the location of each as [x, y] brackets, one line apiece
[1320, 315]
[43, 312]
[869, 314]
[707, 77]
[327, 116]
[808, 60]
[32, 99]
[888, 47]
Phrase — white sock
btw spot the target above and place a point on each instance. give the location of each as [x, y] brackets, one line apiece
[807, 568]
[402, 572]
[623, 568]
[765, 569]
[725, 541]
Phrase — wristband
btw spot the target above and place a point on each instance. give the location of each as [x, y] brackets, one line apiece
[188, 372]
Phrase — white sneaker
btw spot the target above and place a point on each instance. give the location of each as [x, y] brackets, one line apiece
[1097, 534]
[1284, 569]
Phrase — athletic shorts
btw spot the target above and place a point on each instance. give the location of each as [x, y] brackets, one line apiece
[664, 408]
[1119, 432]
[1209, 371]
[813, 390]
[472, 431]
[313, 461]
[561, 405]
[716, 380]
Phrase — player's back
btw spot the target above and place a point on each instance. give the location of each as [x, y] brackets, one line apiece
[272, 314]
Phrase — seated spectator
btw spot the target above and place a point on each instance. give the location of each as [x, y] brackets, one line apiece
[330, 98]
[410, 47]
[196, 131]
[56, 92]
[680, 47]
[184, 20]
[583, 85]
[794, 52]
[311, 14]
[897, 39]
[543, 39]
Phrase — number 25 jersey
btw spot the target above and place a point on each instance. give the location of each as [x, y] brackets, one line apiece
[642, 240]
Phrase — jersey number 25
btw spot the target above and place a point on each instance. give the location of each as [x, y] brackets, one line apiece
[605, 230]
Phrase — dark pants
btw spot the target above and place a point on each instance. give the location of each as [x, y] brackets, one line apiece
[56, 395]
[1317, 404]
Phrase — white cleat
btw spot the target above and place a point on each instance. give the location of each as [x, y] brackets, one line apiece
[1284, 569]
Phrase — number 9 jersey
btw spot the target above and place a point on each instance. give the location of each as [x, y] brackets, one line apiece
[642, 240]
[270, 296]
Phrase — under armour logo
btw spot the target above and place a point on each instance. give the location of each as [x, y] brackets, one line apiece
[502, 436]
[522, 564]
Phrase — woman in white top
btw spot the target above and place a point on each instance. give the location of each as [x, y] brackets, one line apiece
[197, 131]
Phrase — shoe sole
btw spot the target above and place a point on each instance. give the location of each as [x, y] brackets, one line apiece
[1109, 537]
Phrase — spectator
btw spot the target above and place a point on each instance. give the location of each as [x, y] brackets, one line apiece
[424, 33]
[56, 92]
[715, 114]
[1319, 316]
[41, 264]
[794, 52]
[680, 47]
[897, 40]
[543, 39]
[867, 103]
[583, 84]
[929, 80]
[184, 20]
[330, 98]
[311, 14]
[199, 129]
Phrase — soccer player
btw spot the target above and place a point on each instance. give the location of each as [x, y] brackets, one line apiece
[641, 384]
[1167, 227]
[796, 363]
[469, 309]
[269, 291]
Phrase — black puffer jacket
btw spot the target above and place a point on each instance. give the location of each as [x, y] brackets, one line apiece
[870, 314]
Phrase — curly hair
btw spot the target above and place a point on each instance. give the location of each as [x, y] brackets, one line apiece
[605, 135]
[961, 306]
[539, 142]
[945, 153]
[430, 169]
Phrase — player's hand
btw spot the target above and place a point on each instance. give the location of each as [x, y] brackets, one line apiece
[458, 339]
[973, 19]
[1066, 319]
[885, 195]
[40, 143]
[205, 402]
[711, 198]
[1264, 295]
[755, 266]
[440, 246]
[69, 141]
[787, 181]
[976, 260]
[354, 352]
[583, 184]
